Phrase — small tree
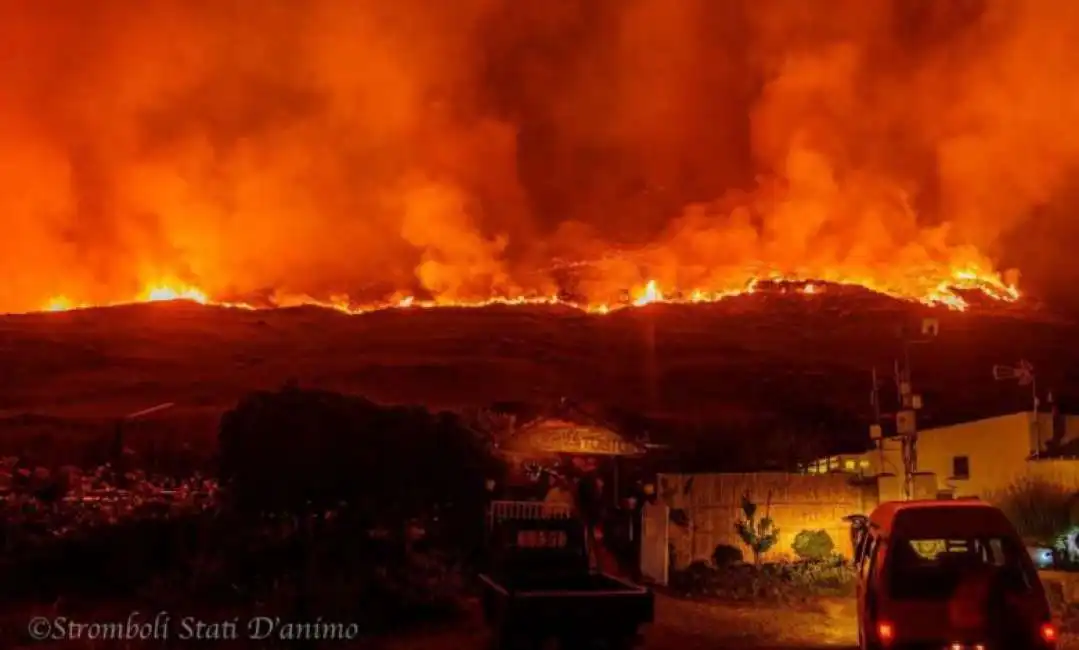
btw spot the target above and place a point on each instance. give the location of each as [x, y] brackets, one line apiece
[760, 535]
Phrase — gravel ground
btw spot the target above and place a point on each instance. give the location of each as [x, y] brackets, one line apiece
[695, 625]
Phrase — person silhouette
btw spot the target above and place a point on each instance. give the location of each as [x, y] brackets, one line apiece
[589, 504]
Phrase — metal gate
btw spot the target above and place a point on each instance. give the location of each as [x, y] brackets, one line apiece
[655, 557]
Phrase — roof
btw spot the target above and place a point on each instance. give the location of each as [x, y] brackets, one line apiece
[889, 508]
[853, 449]
[979, 517]
[565, 436]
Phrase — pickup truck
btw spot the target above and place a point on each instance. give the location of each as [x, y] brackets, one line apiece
[540, 585]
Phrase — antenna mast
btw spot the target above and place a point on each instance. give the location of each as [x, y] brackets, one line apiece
[1023, 373]
[875, 433]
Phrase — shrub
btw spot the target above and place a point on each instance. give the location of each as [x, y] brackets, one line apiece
[695, 579]
[290, 567]
[298, 450]
[725, 555]
[784, 582]
[1039, 510]
[813, 545]
[832, 575]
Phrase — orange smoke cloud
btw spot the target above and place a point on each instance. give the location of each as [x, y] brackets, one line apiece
[377, 149]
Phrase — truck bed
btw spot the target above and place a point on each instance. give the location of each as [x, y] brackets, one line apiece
[598, 604]
[593, 583]
[540, 587]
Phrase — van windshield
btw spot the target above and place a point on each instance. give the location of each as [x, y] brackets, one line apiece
[933, 569]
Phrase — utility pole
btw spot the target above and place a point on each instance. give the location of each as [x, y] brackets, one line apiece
[910, 402]
[875, 430]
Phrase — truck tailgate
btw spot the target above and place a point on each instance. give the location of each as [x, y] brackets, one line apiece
[625, 605]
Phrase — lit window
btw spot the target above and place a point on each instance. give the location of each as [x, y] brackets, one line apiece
[863, 464]
[849, 464]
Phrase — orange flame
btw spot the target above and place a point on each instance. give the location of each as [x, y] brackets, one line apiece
[164, 293]
[947, 293]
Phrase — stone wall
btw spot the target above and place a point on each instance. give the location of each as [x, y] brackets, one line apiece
[711, 504]
[1065, 585]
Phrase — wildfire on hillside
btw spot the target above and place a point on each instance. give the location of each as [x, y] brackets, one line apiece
[947, 293]
[363, 155]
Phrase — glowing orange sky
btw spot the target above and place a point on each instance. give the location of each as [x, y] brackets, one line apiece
[470, 149]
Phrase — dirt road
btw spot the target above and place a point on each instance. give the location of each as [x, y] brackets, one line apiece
[689, 625]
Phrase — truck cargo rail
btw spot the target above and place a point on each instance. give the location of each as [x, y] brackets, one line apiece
[504, 510]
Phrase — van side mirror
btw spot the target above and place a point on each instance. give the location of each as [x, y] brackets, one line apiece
[859, 528]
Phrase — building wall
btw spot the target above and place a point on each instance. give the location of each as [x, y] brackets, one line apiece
[1065, 584]
[997, 450]
[886, 458]
[1069, 433]
[712, 504]
[1061, 471]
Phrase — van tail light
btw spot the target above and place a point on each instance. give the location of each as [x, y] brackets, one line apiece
[885, 632]
[1048, 633]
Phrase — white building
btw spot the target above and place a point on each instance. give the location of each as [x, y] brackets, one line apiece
[976, 458]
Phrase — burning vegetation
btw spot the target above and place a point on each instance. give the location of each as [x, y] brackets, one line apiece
[596, 154]
[946, 294]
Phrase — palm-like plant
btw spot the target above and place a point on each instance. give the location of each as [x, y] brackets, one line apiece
[759, 534]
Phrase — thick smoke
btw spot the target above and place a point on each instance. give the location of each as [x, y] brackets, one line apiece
[465, 149]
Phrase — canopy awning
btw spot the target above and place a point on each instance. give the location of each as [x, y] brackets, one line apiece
[563, 437]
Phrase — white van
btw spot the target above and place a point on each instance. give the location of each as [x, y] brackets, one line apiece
[914, 561]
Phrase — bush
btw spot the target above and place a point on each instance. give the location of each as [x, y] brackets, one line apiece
[298, 450]
[1039, 510]
[813, 545]
[725, 555]
[833, 575]
[211, 562]
[781, 582]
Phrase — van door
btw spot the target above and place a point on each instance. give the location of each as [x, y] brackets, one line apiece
[863, 570]
[867, 583]
[859, 528]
